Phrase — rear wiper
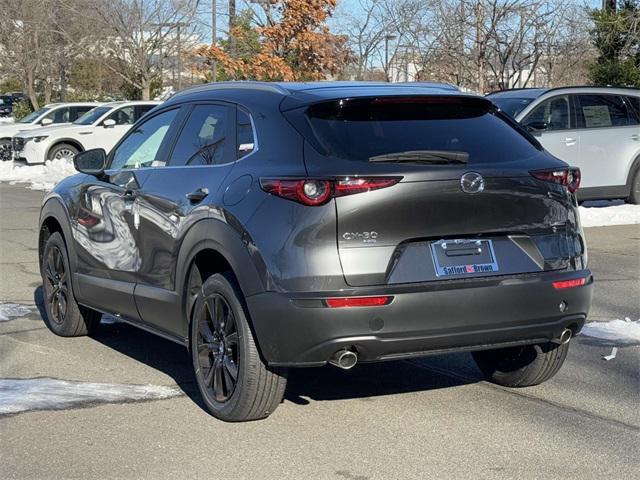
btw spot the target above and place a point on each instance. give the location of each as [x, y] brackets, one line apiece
[423, 156]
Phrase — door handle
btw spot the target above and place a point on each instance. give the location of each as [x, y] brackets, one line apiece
[568, 141]
[635, 137]
[198, 195]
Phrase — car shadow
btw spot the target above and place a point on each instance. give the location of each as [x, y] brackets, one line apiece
[304, 384]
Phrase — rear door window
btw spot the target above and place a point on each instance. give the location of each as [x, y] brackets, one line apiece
[361, 129]
[207, 138]
[601, 111]
[552, 114]
[633, 106]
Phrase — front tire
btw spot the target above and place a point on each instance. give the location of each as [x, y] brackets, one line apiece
[235, 384]
[63, 151]
[64, 316]
[523, 366]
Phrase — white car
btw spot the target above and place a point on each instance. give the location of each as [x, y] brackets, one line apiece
[52, 114]
[596, 129]
[101, 127]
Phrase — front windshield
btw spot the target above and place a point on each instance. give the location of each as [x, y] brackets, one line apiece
[32, 116]
[512, 106]
[92, 115]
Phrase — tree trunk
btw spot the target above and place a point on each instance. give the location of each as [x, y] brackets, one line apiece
[146, 90]
[48, 88]
[30, 90]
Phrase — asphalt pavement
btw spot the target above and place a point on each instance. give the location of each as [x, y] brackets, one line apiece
[426, 418]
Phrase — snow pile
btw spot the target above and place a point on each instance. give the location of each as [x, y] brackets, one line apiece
[9, 310]
[622, 332]
[21, 395]
[39, 177]
[6, 120]
[606, 212]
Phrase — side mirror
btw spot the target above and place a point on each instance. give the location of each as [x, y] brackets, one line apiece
[92, 162]
[108, 123]
[46, 121]
[536, 127]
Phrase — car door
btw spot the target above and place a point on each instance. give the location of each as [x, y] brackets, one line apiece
[173, 199]
[105, 221]
[609, 139]
[552, 122]
[108, 135]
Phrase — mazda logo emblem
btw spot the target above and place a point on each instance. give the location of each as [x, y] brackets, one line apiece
[472, 182]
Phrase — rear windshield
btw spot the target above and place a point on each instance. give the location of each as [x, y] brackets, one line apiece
[511, 105]
[362, 129]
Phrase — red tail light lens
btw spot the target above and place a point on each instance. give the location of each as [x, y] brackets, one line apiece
[313, 192]
[564, 284]
[357, 302]
[567, 177]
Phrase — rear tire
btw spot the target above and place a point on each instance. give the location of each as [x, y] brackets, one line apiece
[235, 384]
[522, 366]
[63, 150]
[634, 195]
[64, 316]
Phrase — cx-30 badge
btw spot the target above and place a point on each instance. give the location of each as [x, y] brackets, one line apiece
[472, 182]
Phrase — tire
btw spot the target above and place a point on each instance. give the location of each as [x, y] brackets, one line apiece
[63, 150]
[222, 345]
[634, 195]
[5, 150]
[64, 316]
[522, 366]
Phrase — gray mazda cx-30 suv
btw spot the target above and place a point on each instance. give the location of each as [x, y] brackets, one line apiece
[268, 226]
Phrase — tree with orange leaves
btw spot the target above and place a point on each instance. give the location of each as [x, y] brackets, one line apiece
[295, 44]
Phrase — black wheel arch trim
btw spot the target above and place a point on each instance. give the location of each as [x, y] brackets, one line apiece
[68, 141]
[635, 168]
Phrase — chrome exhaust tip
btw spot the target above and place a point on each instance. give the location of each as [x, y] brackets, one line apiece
[564, 337]
[344, 359]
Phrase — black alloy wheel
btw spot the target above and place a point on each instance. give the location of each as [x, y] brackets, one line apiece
[217, 346]
[56, 286]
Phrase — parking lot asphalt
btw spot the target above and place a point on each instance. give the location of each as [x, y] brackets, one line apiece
[426, 418]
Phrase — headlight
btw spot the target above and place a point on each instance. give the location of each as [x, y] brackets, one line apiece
[36, 139]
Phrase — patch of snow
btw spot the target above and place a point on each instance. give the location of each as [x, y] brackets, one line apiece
[9, 310]
[38, 177]
[22, 395]
[6, 120]
[622, 332]
[603, 213]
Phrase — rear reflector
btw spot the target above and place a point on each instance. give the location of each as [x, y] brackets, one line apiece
[564, 284]
[357, 302]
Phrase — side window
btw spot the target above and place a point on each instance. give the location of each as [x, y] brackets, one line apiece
[207, 137]
[59, 115]
[244, 131]
[123, 116]
[601, 111]
[140, 146]
[633, 107]
[552, 114]
[142, 109]
[77, 112]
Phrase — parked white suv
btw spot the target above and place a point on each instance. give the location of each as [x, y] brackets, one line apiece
[594, 128]
[101, 127]
[52, 114]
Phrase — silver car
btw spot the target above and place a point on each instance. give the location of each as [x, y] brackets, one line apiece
[594, 128]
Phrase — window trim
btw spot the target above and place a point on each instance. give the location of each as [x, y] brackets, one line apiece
[256, 144]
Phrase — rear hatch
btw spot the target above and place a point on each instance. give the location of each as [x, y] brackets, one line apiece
[464, 203]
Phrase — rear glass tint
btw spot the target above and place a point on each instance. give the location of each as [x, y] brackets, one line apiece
[360, 129]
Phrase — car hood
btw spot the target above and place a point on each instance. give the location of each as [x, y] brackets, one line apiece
[10, 129]
[58, 129]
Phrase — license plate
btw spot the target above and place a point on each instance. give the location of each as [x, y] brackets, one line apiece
[463, 257]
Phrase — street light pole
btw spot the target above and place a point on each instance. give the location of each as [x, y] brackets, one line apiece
[214, 33]
[387, 38]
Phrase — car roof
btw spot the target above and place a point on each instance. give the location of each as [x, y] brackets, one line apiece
[71, 104]
[299, 93]
[538, 92]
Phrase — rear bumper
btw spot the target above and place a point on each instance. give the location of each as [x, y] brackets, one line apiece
[422, 319]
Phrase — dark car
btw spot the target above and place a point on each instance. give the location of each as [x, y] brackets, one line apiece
[6, 105]
[268, 226]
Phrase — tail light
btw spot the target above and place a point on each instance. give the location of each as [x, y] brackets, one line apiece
[567, 177]
[313, 192]
[342, 302]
